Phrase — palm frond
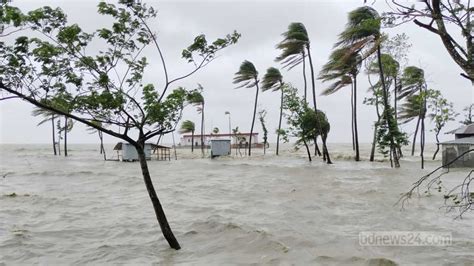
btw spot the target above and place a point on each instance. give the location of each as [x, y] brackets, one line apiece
[246, 76]
[272, 79]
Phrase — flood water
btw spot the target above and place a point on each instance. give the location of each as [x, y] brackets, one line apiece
[259, 210]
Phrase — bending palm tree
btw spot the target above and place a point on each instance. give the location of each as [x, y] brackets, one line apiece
[274, 80]
[413, 81]
[188, 127]
[47, 116]
[343, 68]
[362, 33]
[293, 49]
[196, 98]
[247, 77]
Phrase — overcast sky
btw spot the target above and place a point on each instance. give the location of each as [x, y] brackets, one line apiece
[261, 24]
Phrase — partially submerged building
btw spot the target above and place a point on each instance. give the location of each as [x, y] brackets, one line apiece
[186, 140]
[220, 147]
[462, 143]
[127, 152]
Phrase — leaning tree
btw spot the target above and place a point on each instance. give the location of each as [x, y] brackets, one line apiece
[50, 59]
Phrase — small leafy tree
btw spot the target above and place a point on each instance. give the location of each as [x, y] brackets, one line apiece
[468, 117]
[103, 86]
[305, 123]
[441, 112]
[261, 117]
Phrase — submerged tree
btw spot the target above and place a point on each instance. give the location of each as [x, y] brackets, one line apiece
[100, 86]
[188, 127]
[305, 123]
[362, 35]
[247, 77]
[47, 117]
[441, 112]
[261, 117]
[414, 89]
[101, 138]
[273, 80]
[196, 98]
[342, 70]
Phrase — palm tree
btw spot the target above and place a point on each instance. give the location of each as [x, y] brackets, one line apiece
[188, 127]
[101, 137]
[362, 35]
[247, 77]
[196, 98]
[47, 116]
[415, 89]
[273, 80]
[342, 69]
[293, 49]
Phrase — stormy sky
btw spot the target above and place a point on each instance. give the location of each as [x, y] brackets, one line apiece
[261, 24]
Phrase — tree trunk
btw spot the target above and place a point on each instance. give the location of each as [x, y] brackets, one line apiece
[374, 142]
[102, 149]
[54, 135]
[414, 137]
[387, 108]
[192, 141]
[65, 136]
[202, 130]
[253, 119]
[59, 136]
[304, 76]
[307, 150]
[352, 117]
[437, 145]
[160, 214]
[356, 133]
[422, 143]
[325, 149]
[312, 77]
[279, 122]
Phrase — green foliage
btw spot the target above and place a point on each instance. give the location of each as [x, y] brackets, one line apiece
[469, 115]
[207, 51]
[272, 80]
[247, 76]
[61, 69]
[388, 130]
[363, 23]
[440, 110]
[295, 40]
[341, 67]
[187, 126]
[304, 123]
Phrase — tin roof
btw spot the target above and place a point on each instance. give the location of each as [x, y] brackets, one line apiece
[469, 141]
[464, 130]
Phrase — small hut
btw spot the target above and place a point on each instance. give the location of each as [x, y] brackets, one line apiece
[162, 153]
[455, 148]
[127, 152]
[220, 147]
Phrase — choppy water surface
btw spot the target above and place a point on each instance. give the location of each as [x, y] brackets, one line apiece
[277, 210]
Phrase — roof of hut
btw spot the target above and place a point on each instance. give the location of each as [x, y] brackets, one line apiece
[464, 130]
[468, 141]
[118, 146]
